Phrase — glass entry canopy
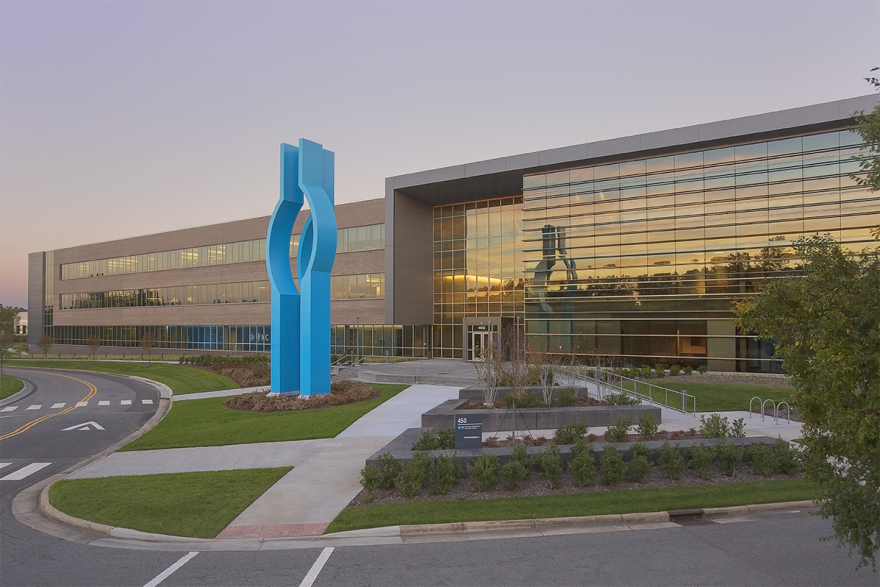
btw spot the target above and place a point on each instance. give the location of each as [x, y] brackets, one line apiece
[642, 260]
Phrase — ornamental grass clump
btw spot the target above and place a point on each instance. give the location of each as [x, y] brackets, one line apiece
[612, 465]
[674, 370]
[639, 467]
[583, 465]
[483, 472]
[671, 460]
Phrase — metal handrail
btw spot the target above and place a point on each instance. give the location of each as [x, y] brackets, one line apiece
[606, 378]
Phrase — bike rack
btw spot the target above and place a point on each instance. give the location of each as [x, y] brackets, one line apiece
[787, 411]
[750, 405]
[772, 403]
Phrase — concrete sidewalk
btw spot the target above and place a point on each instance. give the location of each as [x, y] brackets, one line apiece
[326, 474]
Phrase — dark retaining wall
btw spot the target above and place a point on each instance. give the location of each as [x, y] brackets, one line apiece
[536, 418]
[401, 449]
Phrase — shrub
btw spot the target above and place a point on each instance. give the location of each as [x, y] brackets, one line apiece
[412, 474]
[583, 465]
[638, 468]
[443, 439]
[688, 370]
[699, 459]
[729, 457]
[787, 458]
[570, 433]
[550, 461]
[371, 480]
[620, 399]
[661, 371]
[617, 431]
[671, 460]
[715, 426]
[703, 369]
[484, 472]
[646, 372]
[445, 471]
[514, 473]
[761, 459]
[523, 399]
[521, 455]
[388, 464]
[613, 467]
[566, 396]
[738, 428]
[674, 370]
[648, 426]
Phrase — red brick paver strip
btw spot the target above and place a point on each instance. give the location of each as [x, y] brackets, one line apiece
[273, 531]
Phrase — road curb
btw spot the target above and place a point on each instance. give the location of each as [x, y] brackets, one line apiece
[19, 506]
[20, 394]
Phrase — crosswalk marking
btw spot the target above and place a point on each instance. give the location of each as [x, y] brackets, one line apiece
[58, 405]
[104, 403]
[24, 472]
[81, 404]
[35, 407]
[4, 465]
[147, 401]
[126, 402]
[9, 408]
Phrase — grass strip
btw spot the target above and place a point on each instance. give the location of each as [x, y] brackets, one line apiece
[717, 397]
[580, 504]
[207, 422]
[180, 378]
[181, 504]
[9, 385]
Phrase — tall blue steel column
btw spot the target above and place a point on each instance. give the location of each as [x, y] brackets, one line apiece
[301, 321]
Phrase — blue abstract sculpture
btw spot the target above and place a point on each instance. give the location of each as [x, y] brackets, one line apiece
[301, 319]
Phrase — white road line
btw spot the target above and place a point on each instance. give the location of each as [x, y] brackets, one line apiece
[147, 401]
[316, 568]
[58, 406]
[104, 403]
[9, 408]
[167, 572]
[35, 407]
[24, 472]
[81, 404]
[4, 465]
[125, 402]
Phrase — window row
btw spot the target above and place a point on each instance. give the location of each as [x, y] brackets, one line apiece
[355, 287]
[220, 293]
[351, 240]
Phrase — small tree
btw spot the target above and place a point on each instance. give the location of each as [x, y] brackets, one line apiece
[8, 320]
[148, 341]
[45, 343]
[490, 368]
[93, 343]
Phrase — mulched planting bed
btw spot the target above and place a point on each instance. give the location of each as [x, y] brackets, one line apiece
[341, 393]
[536, 485]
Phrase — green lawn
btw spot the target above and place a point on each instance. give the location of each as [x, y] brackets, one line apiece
[181, 504]
[180, 378]
[717, 397]
[582, 504]
[9, 385]
[207, 422]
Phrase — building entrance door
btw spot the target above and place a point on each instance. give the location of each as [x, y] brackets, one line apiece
[476, 343]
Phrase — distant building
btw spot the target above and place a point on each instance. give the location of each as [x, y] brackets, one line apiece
[633, 248]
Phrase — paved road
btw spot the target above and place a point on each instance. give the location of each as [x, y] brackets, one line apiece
[67, 417]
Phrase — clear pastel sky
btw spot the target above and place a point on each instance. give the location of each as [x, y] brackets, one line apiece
[126, 118]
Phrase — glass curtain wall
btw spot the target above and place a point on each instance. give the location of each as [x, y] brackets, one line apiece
[477, 267]
[643, 259]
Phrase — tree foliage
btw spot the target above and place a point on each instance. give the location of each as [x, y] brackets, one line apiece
[826, 329]
[869, 128]
[8, 320]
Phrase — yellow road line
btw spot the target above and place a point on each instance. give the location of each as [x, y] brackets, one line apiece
[92, 391]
